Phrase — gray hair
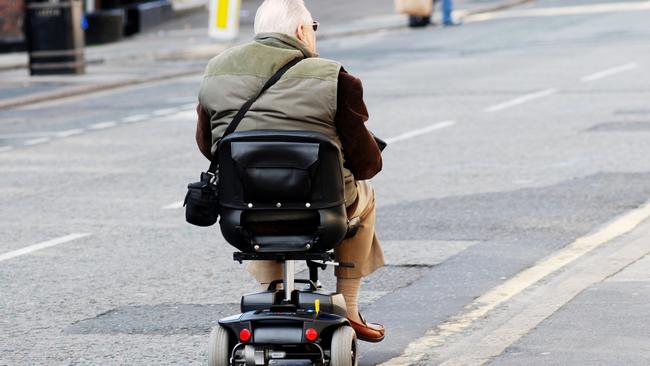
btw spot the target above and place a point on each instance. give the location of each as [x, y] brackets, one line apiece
[282, 16]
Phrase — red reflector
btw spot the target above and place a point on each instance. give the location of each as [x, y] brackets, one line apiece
[244, 335]
[311, 334]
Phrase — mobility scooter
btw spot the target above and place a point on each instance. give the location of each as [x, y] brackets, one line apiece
[282, 198]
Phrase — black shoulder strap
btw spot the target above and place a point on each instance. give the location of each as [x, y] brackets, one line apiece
[242, 111]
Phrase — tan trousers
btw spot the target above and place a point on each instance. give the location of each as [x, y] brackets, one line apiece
[364, 249]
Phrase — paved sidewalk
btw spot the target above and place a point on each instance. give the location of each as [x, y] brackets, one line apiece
[605, 324]
[181, 47]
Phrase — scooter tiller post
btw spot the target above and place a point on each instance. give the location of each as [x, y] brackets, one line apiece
[289, 279]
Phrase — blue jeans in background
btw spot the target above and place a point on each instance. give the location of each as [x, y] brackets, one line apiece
[447, 9]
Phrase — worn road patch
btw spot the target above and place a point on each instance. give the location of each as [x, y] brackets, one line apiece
[164, 319]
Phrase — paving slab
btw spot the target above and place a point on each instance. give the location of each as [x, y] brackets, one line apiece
[605, 324]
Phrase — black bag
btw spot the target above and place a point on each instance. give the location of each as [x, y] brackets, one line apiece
[202, 198]
[202, 201]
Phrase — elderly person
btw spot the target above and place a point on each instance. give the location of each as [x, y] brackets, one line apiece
[316, 94]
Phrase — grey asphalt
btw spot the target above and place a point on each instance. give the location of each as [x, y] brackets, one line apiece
[182, 46]
[461, 209]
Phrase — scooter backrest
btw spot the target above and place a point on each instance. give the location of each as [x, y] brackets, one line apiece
[281, 191]
[280, 170]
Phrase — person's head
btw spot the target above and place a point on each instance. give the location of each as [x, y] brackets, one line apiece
[289, 17]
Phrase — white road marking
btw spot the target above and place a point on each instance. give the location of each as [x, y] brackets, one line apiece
[164, 112]
[481, 306]
[135, 118]
[40, 246]
[609, 72]
[174, 206]
[422, 131]
[36, 141]
[189, 106]
[26, 135]
[521, 100]
[102, 125]
[69, 133]
[6, 148]
[38, 135]
[564, 10]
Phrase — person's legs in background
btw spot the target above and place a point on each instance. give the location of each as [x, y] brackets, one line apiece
[447, 11]
[421, 21]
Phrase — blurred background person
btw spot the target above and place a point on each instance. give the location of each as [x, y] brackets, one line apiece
[447, 9]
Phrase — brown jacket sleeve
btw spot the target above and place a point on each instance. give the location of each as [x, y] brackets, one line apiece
[362, 155]
[204, 132]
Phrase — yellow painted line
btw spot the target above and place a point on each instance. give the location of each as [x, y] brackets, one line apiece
[480, 307]
[564, 10]
[222, 14]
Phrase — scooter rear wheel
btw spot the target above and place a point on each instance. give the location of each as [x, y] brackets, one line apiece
[219, 347]
[344, 347]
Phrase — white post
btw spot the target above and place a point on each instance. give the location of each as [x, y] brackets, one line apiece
[224, 19]
[90, 6]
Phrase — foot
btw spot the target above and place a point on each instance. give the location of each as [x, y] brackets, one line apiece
[369, 332]
[450, 23]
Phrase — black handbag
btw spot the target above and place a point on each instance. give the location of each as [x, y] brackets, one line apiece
[202, 198]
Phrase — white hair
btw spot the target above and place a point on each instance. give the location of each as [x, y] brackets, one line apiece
[282, 16]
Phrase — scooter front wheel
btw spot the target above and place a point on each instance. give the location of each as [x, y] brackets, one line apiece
[219, 347]
[344, 347]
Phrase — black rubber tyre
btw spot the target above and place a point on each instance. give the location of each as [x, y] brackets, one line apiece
[219, 347]
[344, 347]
